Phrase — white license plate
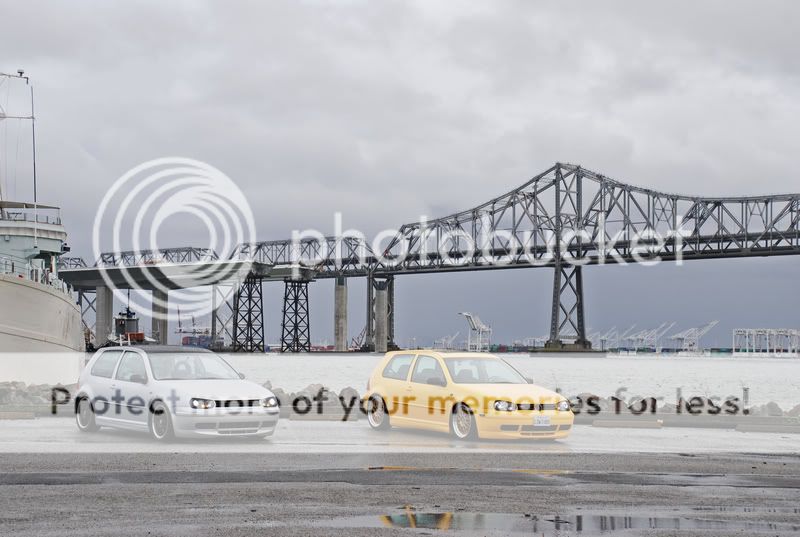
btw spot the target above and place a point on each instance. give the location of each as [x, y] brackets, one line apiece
[541, 421]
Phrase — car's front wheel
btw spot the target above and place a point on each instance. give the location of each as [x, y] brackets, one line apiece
[462, 423]
[160, 422]
[377, 415]
[84, 416]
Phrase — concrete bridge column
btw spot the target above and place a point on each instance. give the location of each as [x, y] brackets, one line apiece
[381, 316]
[340, 314]
[369, 333]
[104, 309]
[160, 309]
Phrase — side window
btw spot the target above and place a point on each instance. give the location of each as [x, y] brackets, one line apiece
[398, 367]
[131, 368]
[105, 364]
[426, 369]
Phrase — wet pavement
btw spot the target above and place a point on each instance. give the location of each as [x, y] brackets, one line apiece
[323, 478]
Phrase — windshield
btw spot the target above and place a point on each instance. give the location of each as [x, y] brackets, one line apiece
[187, 366]
[482, 371]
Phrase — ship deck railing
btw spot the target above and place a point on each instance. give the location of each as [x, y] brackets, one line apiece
[32, 218]
[26, 271]
[16, 211]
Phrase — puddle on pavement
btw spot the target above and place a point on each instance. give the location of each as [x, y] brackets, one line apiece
[555, 525]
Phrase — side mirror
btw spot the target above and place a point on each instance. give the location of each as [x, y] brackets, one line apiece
[241, 376]
[529, 380]
[139, 379]
[437, 381]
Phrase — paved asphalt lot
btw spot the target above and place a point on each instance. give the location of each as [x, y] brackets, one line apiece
[317, 478]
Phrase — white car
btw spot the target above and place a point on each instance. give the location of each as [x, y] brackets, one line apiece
[171, 391]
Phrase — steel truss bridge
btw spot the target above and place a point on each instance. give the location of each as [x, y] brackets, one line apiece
[564, 219]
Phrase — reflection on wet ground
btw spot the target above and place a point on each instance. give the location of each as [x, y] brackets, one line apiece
[61, 435]
[561, 525]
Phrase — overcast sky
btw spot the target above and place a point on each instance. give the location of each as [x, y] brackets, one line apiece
[386, 111]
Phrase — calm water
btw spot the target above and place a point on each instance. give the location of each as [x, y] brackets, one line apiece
[769, 379]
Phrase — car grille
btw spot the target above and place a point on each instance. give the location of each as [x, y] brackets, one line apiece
[237, 403]
[531, 430]
[534, 406]
[241, 427]
[541, 429]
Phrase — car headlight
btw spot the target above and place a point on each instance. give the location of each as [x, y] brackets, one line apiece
[269, 402]
[504, 406]
[563, 405]
[202, 404]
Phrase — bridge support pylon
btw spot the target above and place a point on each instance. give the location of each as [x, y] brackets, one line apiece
[567, 327]
[104, 308]
[296, 325]
[87, 301]
[248, 316]
[160, 308]
[380, 314]
[340, 314]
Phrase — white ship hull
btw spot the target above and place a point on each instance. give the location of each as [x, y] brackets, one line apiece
[37, 318]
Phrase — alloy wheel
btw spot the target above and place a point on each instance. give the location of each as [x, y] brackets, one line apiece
[463, 423]
[85, 416]
[377, 416]
[160, 422]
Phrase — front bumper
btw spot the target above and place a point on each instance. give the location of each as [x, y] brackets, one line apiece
[225, 422]
[522, 424]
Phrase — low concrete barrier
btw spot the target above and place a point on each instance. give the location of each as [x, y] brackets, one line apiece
[767, 428]
[316, 402]
[17, 415]
[629, 424]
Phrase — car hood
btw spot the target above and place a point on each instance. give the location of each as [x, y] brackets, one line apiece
[225, 389]
[511, 392]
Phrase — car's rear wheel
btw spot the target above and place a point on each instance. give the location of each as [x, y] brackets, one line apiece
[462, 423]
[377, 415]
[160, 422]
[84, 416]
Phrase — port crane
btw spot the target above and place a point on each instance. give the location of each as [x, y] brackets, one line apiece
[357, 343]
[649, 338]
[199, 336]
[689, 340]
[478, 339]
[446, 342]
[612, 335]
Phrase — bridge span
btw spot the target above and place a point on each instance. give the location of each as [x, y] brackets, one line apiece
[565, 218]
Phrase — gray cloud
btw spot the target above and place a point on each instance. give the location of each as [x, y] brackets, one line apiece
[390, 110]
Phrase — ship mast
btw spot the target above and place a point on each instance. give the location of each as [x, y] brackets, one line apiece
[21, 76]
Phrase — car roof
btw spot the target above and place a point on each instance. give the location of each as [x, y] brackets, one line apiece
[159, 349]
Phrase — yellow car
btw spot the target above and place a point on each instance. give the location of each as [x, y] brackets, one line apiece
[471, 395]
